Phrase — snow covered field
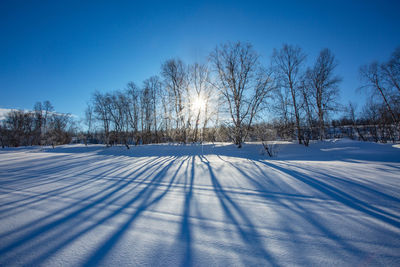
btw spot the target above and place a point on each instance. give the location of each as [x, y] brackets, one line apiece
[333, 203]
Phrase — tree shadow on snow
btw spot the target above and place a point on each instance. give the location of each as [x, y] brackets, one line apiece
[344, 150]
[46, 235]
[131, 188]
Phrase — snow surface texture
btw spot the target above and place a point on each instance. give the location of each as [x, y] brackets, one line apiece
[333, 203]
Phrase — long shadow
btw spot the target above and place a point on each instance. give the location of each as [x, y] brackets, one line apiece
[76, 235]
[334, 194]
[83, 171]
[108, 192]
[31, 200]
[74, 222]
[51, 163]
[359, 187]
[87, 198]
[40, 220]
[249, 233]
[36, 197]
[45, 176]
[185, 235]
[147, 200]
[339, 195]
[249, 177]
[147, 197]
[264, 190]
[305, 216]
[325, 151]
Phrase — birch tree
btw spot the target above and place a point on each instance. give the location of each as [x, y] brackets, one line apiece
[323, 84]
[243, 83]
[288, 67]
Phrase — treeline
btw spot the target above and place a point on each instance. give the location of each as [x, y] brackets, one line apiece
[42, 126]
[223, 98]
[379, 119]
[232, 97]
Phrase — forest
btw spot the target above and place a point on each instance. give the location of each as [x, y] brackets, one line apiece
[232, 97]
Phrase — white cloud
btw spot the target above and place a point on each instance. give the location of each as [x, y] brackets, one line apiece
[3, 112]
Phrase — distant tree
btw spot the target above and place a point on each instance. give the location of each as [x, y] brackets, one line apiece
[323, 84]
[166, 116]
[37, 127]
[201, 97]
[38, 122]
[243, 83]
[307, 106]
[117, 109]
[288, 65]
[372, 75]
[174, 72]
[42, 113]
[58, 129]
[384, 80]
[147, 105]
[101, 110]
[14, 123]
[3, 135]
[153, 86]
[47, 109]
[19, 126]
[351, 110]
[88, 121]
[391, 71]
[133, 109]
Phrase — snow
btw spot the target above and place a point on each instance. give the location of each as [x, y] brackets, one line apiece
[335, 202]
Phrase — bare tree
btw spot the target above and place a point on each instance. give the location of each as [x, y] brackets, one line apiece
[117, 108]
[174, 72]
[153, 85]
[48, 109]
[42, 113]
[27, 127]
[3, 135]
[243, 83]
[100, 108]
[88, 121]
[167, 110]
[200, 97]
[391, 70]
[146, 101]
[58, 129]
[19, 125]
[324, 87]
[38, 111]
[132, 93]
[307, 106]
[384, 80]
[372, 75]
[351, 110]
[288, 67]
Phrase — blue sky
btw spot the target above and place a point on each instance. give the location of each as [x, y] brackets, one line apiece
[62, 51]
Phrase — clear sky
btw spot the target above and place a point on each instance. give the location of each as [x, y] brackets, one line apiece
[62, 51]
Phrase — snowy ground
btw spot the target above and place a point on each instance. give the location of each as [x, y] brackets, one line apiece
[333, 203]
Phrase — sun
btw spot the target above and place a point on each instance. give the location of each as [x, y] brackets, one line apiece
[198, 104]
